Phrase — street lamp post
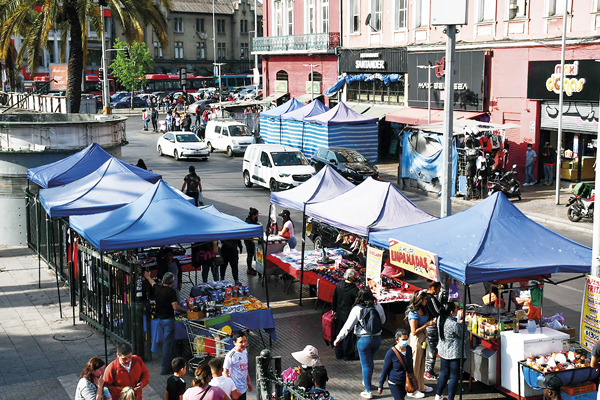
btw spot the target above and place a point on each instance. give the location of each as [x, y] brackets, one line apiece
[218, 65]
[312, 66]
[105, 92]
[428, 68]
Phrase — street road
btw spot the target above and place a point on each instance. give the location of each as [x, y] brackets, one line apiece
[223, 186]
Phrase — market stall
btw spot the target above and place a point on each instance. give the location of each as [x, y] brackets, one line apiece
[270, 121]
[292, 123]
[488, 242]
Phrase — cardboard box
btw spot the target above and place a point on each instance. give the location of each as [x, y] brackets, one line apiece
[570, 331]
[196, 314]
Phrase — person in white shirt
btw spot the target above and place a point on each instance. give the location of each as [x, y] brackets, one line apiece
[236, 364]
[288, 228]
[218, 380]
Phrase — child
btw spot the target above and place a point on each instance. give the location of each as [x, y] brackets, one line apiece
[175, 383]
[236, 364]
[225, 383]
[128, 393]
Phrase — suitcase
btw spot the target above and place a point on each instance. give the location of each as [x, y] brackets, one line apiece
[328, 327]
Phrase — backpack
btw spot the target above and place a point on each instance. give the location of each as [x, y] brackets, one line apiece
[192, 181]
[370, 320]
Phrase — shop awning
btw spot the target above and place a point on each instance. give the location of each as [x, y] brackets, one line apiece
[379, 112]
[274, 96]
[418, 116]
[303, 98]
[359, 108]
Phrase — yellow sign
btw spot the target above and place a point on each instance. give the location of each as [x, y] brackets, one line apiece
[373, 272]
[590, 325]
[413, 259]
[281, 86]
[259, 255]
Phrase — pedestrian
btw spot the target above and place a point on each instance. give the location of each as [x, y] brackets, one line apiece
[595, 362]
[530, 158]
[548, 159]
[344, 298]
[169, 121]
[126, 370]
[318, 391]
[177, 118]
[236, 364]
[154, 117]
[417, 319]
[230, 255]
[167, 102]
[552, 386]
[167, 263]
[192, 186]
[366, 318]
[198, 120]
[287, 230]
[145, 118]
[223, 382]
[452, 330]
[396, 365]
[201, 388]
[91, 384]
[141, 164]
[166, 305]
[252, 218]
[175, 384]
[187, 122]
[433, 310]
[309, 363]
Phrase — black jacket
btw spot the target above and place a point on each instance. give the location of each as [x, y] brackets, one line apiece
[343, 299]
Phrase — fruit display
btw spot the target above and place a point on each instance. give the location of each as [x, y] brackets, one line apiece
[558, 361]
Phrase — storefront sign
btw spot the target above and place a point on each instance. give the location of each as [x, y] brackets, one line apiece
[582, 80]
[373, 273]
[281, 86]
[382, 60]
[468, 80]
[590, 324]
[413, 259]
[316, 87]
[59, 74]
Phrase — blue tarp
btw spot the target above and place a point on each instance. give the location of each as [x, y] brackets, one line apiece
[426, 168]
[369, 207]
[111, 186]
[160, 217]
[78, 165]
[270, 121]
[286, 107]
[324, 185]
[292, 124]
[387, 80]
[341, 115]
[492, 240]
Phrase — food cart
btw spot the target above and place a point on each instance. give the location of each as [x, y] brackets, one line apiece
[494, 240]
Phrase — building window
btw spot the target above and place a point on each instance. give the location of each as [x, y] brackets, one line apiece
[401, 13]
[487, 10]
[354, 15]
[244, 51]
[221, 26]
[221, 51]
[201, 51]
[376, 15]
[244, 26]
[555, 8]
[281, 76]
[178, 25]
[310, 17]
[597, 6]
[421, 13]
[517, 9]
[278, 21]
[325, 16]
[158, 53]
[376, 92]
[200, 25]
[290, 17]
[317, 77]
[178, 49]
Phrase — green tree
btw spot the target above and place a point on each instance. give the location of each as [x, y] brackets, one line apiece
[34, 19]
[131, 72]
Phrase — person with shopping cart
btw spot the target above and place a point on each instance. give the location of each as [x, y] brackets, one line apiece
[166, 305]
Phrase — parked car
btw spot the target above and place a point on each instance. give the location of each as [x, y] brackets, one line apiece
[274, 166]
[182, 145]
[125, 102]
[323, 235]
[202, 104]
[119, 95]
[348, 162]
[229, 135]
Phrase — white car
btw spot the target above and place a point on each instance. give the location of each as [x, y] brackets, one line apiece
[182, 145]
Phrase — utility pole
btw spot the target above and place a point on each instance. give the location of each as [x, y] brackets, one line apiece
[595, 271]
[561, 96]
[312, 66]
[218, 65]
[428, 67]
[255, 36]
[214, 43]
[446, 207]
[105, 89]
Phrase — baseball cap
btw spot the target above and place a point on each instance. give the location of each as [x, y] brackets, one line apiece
[551, 382]
[285, 213]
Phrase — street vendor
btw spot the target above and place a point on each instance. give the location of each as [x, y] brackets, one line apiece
[391, 270]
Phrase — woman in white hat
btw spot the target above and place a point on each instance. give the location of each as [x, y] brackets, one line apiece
[309, 361]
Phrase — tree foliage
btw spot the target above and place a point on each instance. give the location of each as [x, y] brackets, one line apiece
[131, 73]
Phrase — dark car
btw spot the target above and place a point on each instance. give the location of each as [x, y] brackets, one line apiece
[348, 162]
[325, 236]
[125, 102]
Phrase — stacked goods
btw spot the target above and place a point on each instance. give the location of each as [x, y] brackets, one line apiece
[558, 361]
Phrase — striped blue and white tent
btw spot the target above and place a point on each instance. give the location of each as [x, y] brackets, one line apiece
[341, 127]
[270, 121]
[292, 123]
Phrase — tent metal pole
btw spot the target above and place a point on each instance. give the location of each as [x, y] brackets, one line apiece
[302, 255]
[462, 342]
[56, 266]
[39, 240]
[103, 306]
[265, 243]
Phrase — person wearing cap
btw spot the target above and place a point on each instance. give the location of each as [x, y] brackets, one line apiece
[309, 363]
[288, 228]
[552, 386]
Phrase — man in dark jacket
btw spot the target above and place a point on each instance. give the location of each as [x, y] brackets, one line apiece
[344, 297]
[230, 255]
[154, 118]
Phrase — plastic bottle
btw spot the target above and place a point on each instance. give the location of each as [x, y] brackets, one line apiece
[516, 325]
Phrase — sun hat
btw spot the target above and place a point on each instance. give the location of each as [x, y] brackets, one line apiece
[309, 356]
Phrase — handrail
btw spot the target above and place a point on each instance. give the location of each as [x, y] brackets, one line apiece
[27, 95]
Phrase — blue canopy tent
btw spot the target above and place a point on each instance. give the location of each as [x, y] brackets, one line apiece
[341, 127]
[79, 165]
[161, 216]
[292, 123]
[369, 207]
[111, 186]
[492, 240]
[270, 121]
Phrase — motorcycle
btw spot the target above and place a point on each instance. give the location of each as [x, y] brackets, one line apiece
[506, 183]
[580, 207]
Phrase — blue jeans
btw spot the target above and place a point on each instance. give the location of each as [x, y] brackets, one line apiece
[450, 369]
[168, 328]
[529, 178]
[548, 173]
[292, 242]
[367, 347]
[146, 124]
[398, 391]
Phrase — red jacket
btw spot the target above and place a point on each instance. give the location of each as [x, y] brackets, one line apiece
[116, 377]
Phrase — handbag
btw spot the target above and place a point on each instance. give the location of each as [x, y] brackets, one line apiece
[411, 380]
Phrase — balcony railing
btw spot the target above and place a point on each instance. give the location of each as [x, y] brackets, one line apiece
[318, 42]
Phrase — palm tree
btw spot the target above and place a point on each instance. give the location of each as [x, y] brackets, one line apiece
[33, 20]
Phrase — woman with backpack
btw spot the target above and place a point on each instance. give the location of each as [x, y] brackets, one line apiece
[449, 348]
[366, 318]
[418, 320]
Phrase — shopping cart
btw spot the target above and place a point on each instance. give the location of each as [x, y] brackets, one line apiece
[207, 342]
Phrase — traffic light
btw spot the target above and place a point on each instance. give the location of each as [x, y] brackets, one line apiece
[127, 55]
[101, 74]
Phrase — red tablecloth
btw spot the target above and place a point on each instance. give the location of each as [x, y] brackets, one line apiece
[309, 278]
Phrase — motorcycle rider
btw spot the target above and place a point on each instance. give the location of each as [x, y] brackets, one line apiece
[530, 158]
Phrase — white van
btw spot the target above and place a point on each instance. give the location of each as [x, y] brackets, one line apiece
[229, 135]
[275, 166]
